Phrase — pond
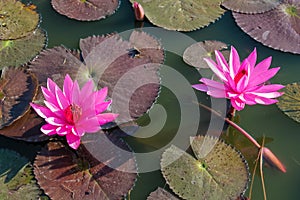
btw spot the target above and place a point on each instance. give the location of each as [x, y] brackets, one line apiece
[173, 111]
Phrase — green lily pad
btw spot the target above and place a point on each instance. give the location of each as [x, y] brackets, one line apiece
[16, 19]
[182, 15]
[85, 10]
[62, 172]
[161, 194]
[221, 174]
[289, 103]
[194, 55]
[250, 6]
[16, 177]
[19, 51]
[18, 88]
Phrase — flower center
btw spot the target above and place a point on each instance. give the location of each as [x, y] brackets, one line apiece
[239, 75]
[72, 113]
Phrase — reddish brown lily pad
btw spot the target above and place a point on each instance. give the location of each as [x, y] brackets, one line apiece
[278, 28]
[66, 174]
[161, 194]
[128, 69]
[55, 63]
[85, 10]
[27, 128]
[194, 55]
[250, 6]
[17, 90]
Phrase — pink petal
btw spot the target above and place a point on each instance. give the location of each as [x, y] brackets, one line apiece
[62, 101]
[76, 94]
[222, 63]
[102, 106]
[252, 59]
[237, 104]
[242, 84]
[87, 90]
[55, 121]
[73, 140]
[263, 77]
[213, 66]
[42, 111]
[62, 130]
[265, 101]
[67, 88]
[106, 117]
[217, 93]
[212, 83]
[234, 62]
[101, 95]
[262, 66]
[48, 129]
[200, 87]
[51, 85]
[88, 125]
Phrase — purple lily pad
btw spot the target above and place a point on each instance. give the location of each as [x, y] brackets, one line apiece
[278, 28]
[128, 69]
[17, 90]
[85, 10]
[250, 6]
[62, 172]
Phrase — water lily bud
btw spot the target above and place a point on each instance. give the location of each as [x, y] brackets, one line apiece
[272, 159]
[138, 11]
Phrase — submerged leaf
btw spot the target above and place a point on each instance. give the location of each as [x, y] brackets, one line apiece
[85, 10]
[221, 174]
[16, 19]
[278, 28]
[161, 194]
[194, 55]
[16, 177]
[182, 15]
[128, 69]
[20, 51]
[250, 6]
[289, 103]
[62, 172]
[17, 90]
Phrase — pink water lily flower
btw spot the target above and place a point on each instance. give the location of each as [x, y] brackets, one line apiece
[242, 83]
[72, 112]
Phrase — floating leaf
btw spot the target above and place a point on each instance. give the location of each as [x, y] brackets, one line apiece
[250, 6]
[16, 178]
[17, 90]
[182, 15]
[85, 10]
[16, 19]
[161, 194]
[130, 73]
[26, 128]
[54, 63]
[221, 174]
[20, 51]
[278, 28]
[62, 172]
[194, 55]
[289, 103]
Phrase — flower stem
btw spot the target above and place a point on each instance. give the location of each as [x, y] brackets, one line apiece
[266, 153]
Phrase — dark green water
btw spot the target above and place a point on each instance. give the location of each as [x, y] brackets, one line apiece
[258, 120]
